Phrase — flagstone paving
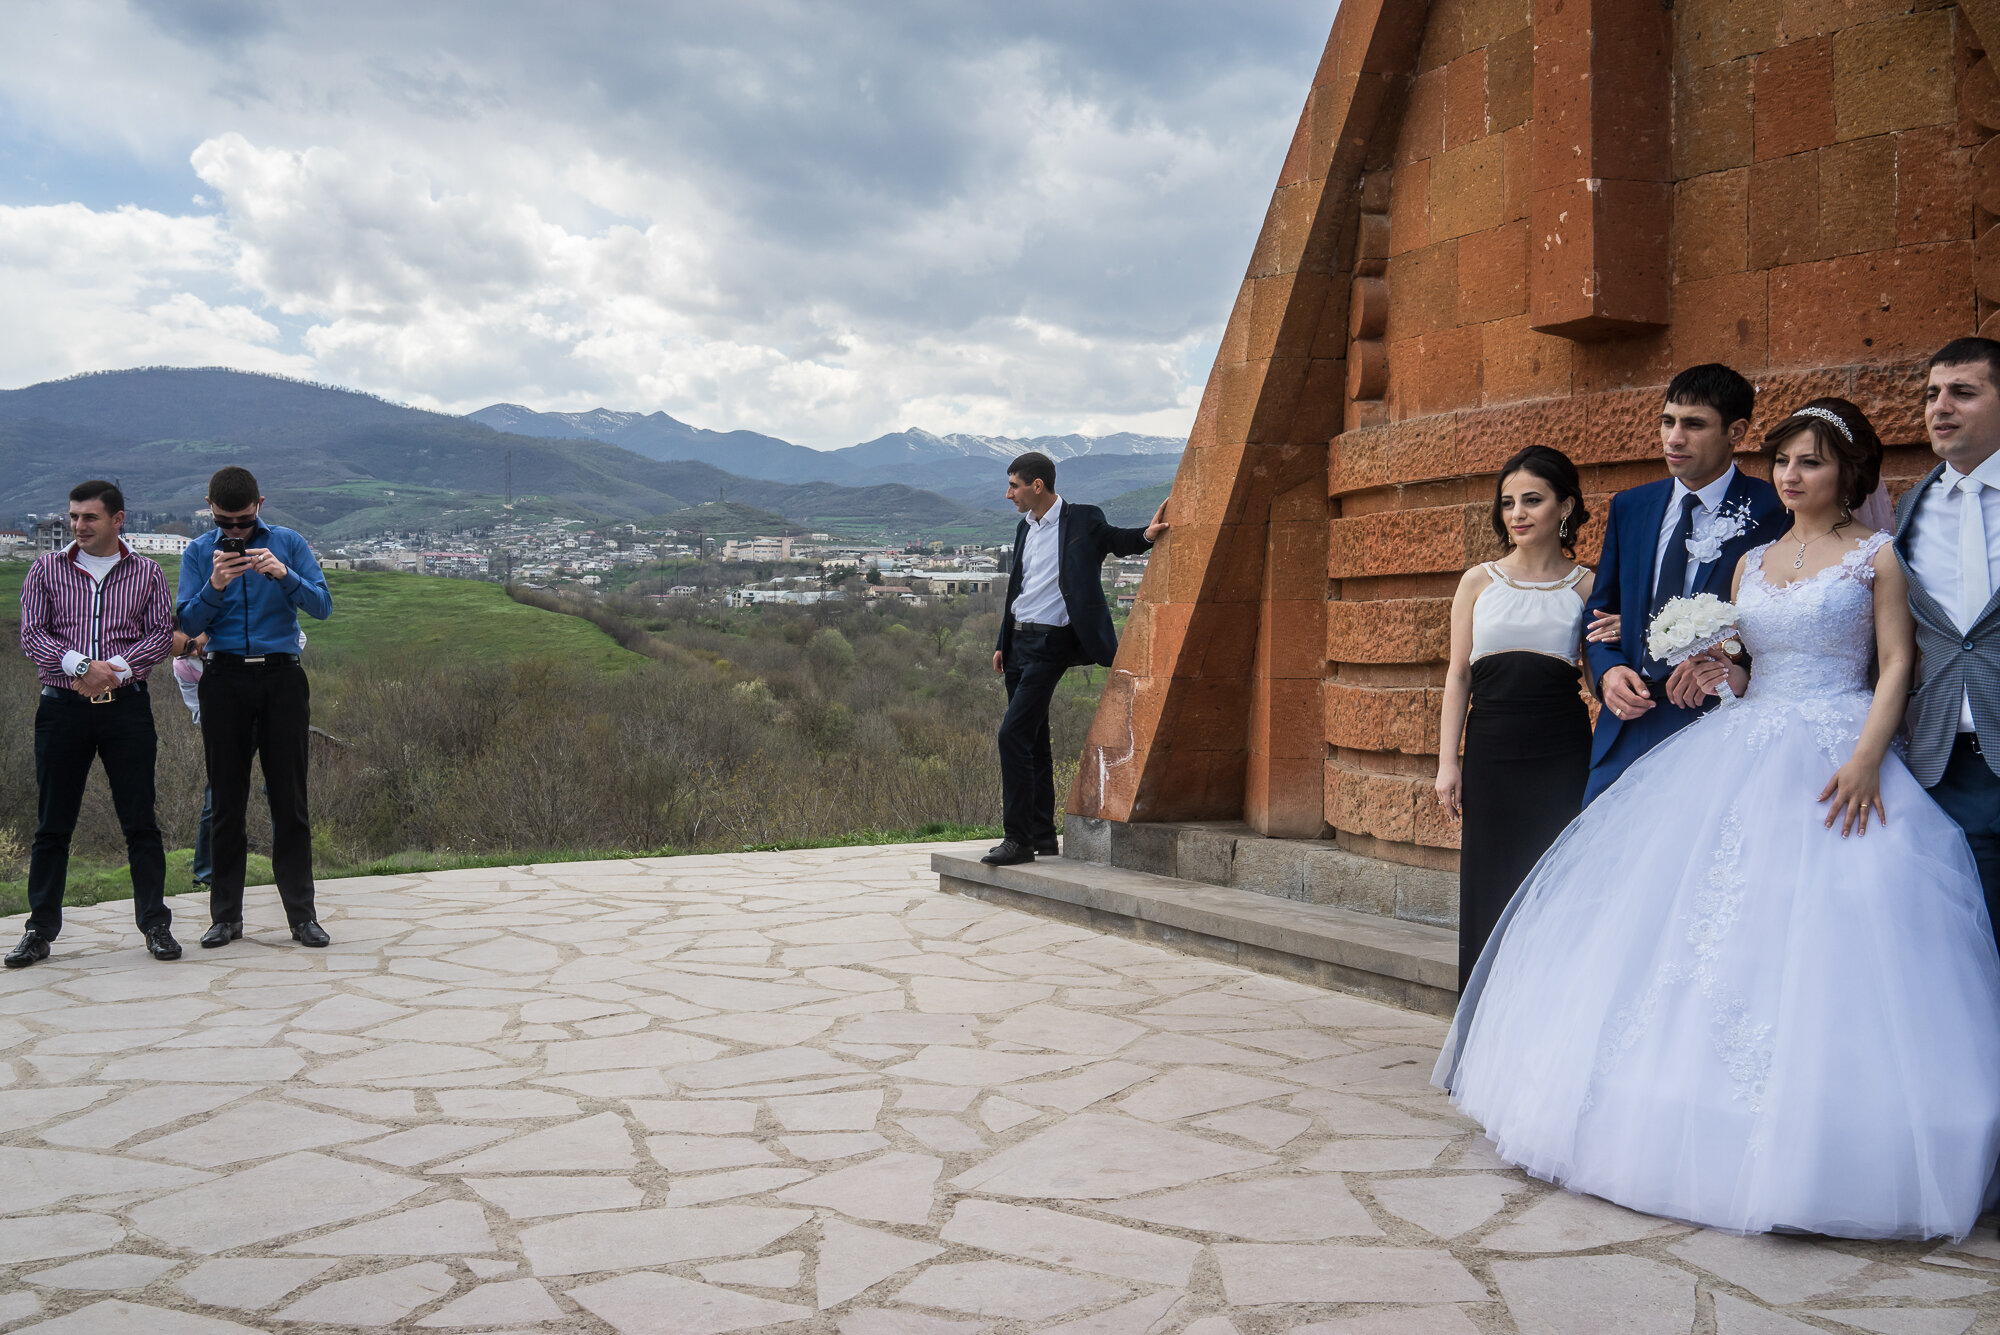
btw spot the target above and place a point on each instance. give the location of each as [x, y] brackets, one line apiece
[800, 1092]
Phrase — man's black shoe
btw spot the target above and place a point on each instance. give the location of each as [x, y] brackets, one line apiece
[310, 933]
[1047, 848]
[221, 934]
[161, 942]
[34, 946]
[1007, 853]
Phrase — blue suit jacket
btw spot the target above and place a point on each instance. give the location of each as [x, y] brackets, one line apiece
[1625, 574]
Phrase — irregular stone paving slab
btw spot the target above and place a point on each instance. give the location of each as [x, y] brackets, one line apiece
[649, 1304]
[1072, 1241]
[516, 1300]
[1588, 1295]
[854, 1259]
[105, 1274]
[373, 1300]
[288, 1195]
[500, 1089]
[1254, 1275]
[117, 1317]
[1094, 1157]
[1004, 1289]
[581, 1244]
[247, 1282]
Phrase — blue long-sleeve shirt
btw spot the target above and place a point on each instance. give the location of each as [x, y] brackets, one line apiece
[255, 614]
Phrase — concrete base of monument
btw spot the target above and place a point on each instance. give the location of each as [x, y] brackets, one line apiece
[1413, 965]
[1317, 871]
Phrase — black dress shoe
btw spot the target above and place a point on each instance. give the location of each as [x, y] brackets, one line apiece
[34, 946]
[310, 933]
[161, 942]
[1047, 848]
[1007, 853]
[221, 934]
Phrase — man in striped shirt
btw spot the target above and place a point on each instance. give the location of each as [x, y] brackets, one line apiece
[95, 618]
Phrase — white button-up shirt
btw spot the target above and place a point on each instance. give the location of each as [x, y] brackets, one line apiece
[1933, 546]
[1710, 497]
[1040, 599]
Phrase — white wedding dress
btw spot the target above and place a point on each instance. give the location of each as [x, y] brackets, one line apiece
[1704, 1005]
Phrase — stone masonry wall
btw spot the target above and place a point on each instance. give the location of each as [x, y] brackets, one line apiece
[1507, 222]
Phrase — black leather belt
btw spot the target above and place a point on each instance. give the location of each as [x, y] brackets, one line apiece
[115, 693]
[1037, 626]
[255, 660]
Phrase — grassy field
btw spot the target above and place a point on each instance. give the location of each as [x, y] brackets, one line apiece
[424, 614]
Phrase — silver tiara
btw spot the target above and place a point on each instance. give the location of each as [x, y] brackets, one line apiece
[1827, 415]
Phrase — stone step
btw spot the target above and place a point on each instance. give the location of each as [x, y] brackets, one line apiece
[1407, 964]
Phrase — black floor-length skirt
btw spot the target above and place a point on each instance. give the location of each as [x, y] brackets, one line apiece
[1527, 759]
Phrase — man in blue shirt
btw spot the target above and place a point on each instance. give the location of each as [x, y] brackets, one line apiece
[244, 583]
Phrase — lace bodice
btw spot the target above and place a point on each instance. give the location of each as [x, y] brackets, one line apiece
[1811, 642]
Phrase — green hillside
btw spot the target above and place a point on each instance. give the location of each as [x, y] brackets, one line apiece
[443, 620]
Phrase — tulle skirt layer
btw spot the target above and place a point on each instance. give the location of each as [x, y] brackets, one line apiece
[1705, 1005]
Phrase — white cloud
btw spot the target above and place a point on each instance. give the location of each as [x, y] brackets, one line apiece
[820, 221]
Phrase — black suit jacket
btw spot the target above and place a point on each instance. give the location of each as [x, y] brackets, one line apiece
[1084, 540]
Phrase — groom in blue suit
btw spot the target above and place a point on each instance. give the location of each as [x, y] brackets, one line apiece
[1681, 535]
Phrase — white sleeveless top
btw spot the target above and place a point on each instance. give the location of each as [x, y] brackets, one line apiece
[1539, 618]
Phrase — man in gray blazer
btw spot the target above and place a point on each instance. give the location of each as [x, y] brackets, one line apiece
[1948, 541]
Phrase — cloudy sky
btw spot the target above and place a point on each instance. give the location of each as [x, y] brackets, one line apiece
[824, 219]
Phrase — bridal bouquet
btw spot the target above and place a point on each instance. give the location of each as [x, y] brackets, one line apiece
[1693, 625]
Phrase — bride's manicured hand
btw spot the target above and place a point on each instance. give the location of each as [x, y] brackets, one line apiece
[1856, 790]
[1450, 787]
[1697, 679]
[1604, 628]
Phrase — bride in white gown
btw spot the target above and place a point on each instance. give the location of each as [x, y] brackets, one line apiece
[1706, 1004]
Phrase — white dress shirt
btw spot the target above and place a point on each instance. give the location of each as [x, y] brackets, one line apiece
[1933, 546]
[1710, 498]
[1040, 599]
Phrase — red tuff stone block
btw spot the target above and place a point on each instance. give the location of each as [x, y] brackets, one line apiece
[1465, 100]
[1493, 274]
[1622, 427]
[1516, 171]
[1423, 292]
[1857, 196]
[1409, 209]
[1292, 799]
[1709, 32]
[1488, 438]
[1368, 309]
[1423, 449]
[1933, 188]
[1510, 80]
[1444, 35]
[1711, 225]
[1623, 363]
[1598, 258]
[1466, 193]
[1396, 630]
[1884, 306]
[1381, 805]
[1784, 211]
[1359, 459]
[1713, 119]
[1896, 74]
[1795, 99]
[1423, 120]
[1372, 719]
[1294, 720]
[1399, 542]
[1725, 319]
[1979, 94]
[1367, 369]
[1986, 265]
[1804, 18]
[1295, 560]
[1490, 21]
[1893, 398]
[1445, 375]
[1322, 402]
[1522, 363]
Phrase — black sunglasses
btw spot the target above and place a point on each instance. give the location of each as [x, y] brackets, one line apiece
[236, 521]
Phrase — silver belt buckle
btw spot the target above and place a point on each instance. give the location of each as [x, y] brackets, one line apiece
[258, 659]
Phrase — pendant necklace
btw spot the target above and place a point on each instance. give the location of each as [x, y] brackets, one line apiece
[1800, 564]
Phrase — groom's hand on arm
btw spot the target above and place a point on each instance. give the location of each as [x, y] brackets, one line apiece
[1625, 693]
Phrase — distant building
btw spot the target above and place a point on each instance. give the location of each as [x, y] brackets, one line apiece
[757, 549]
[952, 582]
[52, 533]
[453, 565]
[164, 544]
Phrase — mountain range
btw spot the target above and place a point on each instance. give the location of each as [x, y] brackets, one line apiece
[965, 468]
[341, 464]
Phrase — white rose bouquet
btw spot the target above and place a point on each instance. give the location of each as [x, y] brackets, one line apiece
[1693, 625]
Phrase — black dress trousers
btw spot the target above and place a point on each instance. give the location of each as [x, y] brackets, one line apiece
[1040, 655]
[70, 733]
[262, 710]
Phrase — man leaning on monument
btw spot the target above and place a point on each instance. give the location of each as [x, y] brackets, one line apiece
[95, 618]
[1055, 617]
[244, 583]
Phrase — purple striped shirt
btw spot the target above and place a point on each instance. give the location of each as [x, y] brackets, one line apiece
[130, 615]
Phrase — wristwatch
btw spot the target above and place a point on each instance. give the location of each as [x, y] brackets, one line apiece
[83, 668]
